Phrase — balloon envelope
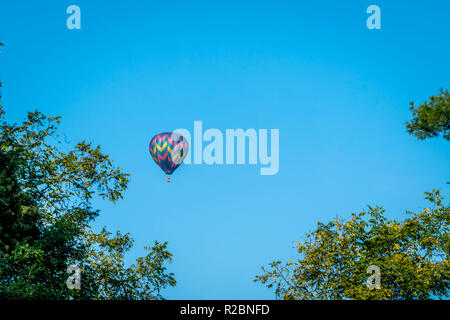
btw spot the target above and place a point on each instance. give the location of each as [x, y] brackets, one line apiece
[168, 150]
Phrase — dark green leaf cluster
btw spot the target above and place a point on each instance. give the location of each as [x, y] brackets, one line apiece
[431, 118]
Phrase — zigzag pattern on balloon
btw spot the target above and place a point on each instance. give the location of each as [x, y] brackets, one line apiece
[160, 146]
[167, 152]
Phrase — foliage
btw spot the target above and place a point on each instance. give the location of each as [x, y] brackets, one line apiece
[431, 118]
[142, 280]
[413, 255]
[45, 202]
[33, 253]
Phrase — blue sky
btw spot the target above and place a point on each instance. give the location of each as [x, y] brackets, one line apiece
[338, 92]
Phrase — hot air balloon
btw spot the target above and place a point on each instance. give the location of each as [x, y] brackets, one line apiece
[168, 150]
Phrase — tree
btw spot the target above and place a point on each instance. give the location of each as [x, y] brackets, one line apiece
[24, 244]
[431, 118]
[45, 203]
[413, 256]
[142, 280]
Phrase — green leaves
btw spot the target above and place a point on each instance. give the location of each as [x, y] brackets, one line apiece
[45, 216]
[332, 262]
[104, 268]
[59, 179]
[431, 118]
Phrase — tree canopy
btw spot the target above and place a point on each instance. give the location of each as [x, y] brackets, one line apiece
[413, 256]
[46, 217]
[431, 118]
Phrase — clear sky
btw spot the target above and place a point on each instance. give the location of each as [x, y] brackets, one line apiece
[338, 92]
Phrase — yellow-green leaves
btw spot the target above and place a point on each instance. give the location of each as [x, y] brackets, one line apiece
[413, 256]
